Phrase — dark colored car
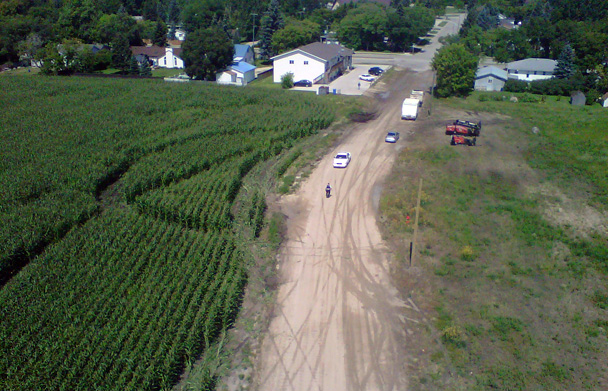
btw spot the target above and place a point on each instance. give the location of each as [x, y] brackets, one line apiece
[375, 71]
[303, 83]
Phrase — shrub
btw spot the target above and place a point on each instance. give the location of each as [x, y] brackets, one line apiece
[467, 253]
[514, 85]
[287, 80]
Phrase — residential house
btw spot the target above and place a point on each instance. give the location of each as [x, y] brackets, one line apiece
[604, 100]
[317, 62]
[490, 78]
[531, 69]
[244, 53]
[164, 57]
[334, 4]
[180, 34]
[242, 70]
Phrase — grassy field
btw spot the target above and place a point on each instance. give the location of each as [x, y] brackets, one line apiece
[510, 272]
[125, 223]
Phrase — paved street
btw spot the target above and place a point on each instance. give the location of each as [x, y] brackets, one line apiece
[419, 62]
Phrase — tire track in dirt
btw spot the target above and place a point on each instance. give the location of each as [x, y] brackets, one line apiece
[338, 323]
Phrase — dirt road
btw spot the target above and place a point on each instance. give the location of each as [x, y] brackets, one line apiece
[339, 324]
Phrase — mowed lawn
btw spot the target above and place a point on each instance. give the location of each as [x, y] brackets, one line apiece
[510, 272]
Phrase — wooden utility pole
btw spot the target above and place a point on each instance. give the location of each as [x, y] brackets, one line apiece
[413, 247]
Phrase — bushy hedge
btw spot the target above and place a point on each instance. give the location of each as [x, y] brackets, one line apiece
[561, 87]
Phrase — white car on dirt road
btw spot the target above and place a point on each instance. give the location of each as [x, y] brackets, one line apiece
[342, 159]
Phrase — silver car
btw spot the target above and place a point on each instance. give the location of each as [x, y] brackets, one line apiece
[392, 137]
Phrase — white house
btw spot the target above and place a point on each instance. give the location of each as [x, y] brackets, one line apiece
[164, 57]
[531, 69]
[180, 34]
[239, 74]
[490, 79]
[317, 62]
[604, 100]
[171, 59]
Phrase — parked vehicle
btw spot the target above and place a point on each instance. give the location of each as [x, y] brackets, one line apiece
[417, 94]
[409, 109]
[392, 137]
[461, 130]
[366, 77]
[303, 83]
[462, 140]
[342, 159]
[375, 71]
[468, 124]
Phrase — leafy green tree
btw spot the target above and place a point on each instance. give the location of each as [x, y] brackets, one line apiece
[565, 63]
[455, 68]
[78, 19]
[121, 53]
[509, 45]
[272, 21]
[405, 25]
[110, 26]
[200, 14]
[296, 33]
[364, 27]
[207, 51]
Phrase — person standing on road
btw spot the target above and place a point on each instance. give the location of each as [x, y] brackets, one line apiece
[327, 190]
[359, 85]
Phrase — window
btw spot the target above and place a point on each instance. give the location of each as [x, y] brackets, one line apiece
[291, 61]
[305, 62]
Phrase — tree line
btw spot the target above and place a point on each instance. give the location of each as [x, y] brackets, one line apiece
[53, 29]
[574, 34]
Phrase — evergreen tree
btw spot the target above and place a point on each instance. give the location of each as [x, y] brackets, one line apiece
[488, 18]
[144, 68]
[133, 66]
[565, 63]
[172, 12]
[160, 34]
[121, 52]
[271, 22]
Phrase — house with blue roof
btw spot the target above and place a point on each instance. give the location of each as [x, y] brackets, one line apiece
[242, 70]
[244, 53]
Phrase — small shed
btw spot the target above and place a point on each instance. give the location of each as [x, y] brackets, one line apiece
[577, 98]
[490, 78]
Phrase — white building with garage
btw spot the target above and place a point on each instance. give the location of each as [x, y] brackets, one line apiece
[317, 62]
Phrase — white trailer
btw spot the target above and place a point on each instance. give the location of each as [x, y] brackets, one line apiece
[417, 94]
[409, 109]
